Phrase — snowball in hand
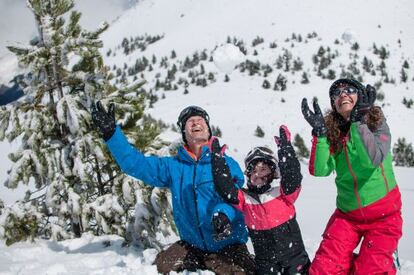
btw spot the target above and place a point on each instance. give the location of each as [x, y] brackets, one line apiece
[227, 57]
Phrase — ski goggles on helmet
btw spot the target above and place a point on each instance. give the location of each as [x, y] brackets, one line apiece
[259, 153]
[189, 112]
[349, 90]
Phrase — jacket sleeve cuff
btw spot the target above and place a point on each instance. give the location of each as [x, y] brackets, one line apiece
[226, 209]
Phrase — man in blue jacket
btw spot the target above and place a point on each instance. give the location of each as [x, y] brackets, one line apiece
[212, 233]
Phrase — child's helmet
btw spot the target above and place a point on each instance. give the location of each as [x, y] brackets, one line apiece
[265, 155]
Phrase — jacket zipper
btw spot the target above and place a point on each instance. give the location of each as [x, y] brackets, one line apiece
[353, 176]
[385, 178]
[196, 207]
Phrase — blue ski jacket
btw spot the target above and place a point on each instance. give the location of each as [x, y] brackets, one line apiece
[194, 199]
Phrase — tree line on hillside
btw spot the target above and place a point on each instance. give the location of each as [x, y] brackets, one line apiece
[173, 73]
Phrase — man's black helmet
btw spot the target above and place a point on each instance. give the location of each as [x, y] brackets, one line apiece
[188, 112]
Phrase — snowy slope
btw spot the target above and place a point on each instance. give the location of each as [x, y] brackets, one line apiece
[239, 106]
[106, 255]
[195, 24]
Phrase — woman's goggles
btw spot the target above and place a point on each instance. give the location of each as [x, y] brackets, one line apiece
[349, 90]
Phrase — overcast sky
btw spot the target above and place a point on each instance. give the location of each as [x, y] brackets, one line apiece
[17, 22]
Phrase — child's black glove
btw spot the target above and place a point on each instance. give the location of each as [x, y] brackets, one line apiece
[366, 99]
[105, 121]
[289, 164]
[223, 182]
[221, 227]
[315, 119]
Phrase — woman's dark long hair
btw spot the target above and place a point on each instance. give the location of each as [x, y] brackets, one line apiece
[338, 127]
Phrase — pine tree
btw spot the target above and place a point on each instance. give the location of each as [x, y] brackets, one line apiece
[383, 53]
[403, 75]
[273, 45]
[280, 84]
[78, 187]
[297, 64]
[355, 46]
[367, 64]
[211, 77]
[406, 65]
[407, 102]
[266, 84]
[305, 79]
[403, 153]
[216, 131]
[259, 132]
[331, 74]
[287, 57]
[299, 143]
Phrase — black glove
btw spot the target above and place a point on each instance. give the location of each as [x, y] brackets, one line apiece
[105, 121]
[223, 182]
[289, 165]
[221, 227]
[315, 119]
[366, 99]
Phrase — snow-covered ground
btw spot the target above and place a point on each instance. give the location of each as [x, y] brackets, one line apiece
[106, 255]
[239, 106]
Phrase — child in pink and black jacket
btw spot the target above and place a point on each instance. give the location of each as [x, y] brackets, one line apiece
[268, 210]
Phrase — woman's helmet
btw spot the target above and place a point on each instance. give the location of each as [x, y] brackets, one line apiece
[344, 81]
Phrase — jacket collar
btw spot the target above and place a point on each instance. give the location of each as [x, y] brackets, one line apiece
[188, 156]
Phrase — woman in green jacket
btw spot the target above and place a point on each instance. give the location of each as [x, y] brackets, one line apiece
[354, 140]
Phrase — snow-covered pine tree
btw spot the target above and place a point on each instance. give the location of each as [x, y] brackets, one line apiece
[302, 150]
[403, 153]
[77, 185]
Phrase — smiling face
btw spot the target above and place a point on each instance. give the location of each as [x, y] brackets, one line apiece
[260, 175]
[345, 102]
[196, 130]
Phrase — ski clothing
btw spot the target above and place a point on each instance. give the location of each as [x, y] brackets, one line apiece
[233, 259]
[273, 229]
[188, 112]
[363, 166]
[380, 226]
[105, 121]
[289, 164]
[221, 227]
[365, 101]
[368, 200]
[269, 213]
[194, 199]
[221, 173]
[315, 119]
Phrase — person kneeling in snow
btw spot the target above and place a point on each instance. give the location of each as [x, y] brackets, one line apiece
[354, 140]
[268, 211]
[194, 200]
